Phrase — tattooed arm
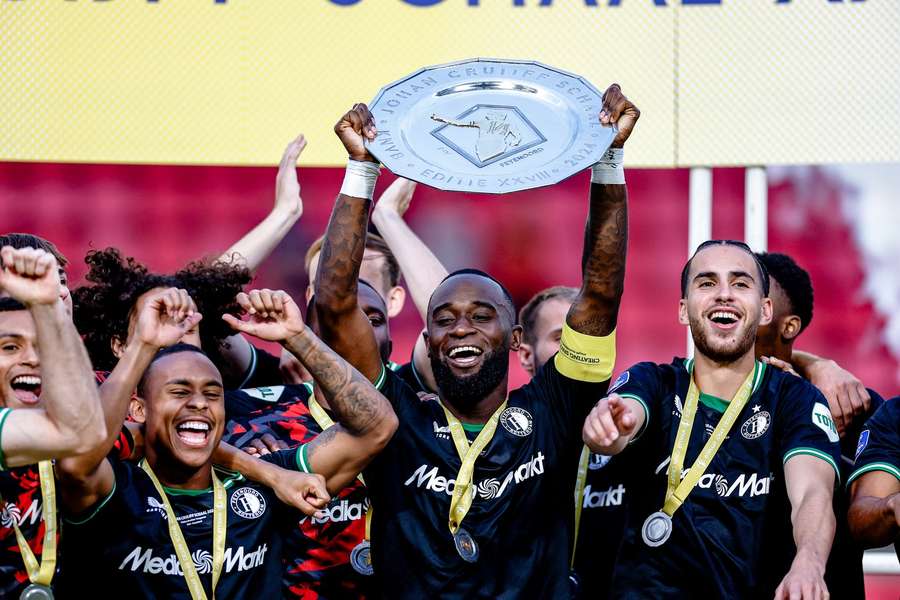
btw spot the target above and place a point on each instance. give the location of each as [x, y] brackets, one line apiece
[342, 324]
[365, 419]
[596, 308]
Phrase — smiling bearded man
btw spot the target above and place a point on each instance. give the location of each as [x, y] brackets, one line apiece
[708, 441]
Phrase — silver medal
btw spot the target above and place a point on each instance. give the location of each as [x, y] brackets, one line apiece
[466, 545]
[36, 591]
[657, 529]
[361, 558]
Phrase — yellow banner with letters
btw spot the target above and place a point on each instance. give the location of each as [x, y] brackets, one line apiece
[719, 82]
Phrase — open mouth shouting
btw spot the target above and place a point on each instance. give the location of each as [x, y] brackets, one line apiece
[464, 357]
[724, 319]
[27, 388]
[194, 432]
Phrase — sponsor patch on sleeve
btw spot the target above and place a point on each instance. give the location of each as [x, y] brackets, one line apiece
[863, 442]
[620, 381]
[821, 418]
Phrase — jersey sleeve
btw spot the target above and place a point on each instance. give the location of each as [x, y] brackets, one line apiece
[641, 383]
[4, 414]
[107, 510]
[805, 424]
[878, 448]
[292, 459]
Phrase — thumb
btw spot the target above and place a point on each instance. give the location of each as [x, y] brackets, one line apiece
[238, 325]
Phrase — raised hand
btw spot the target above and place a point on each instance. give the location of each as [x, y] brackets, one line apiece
[29, 275]
[272, 315]
[609, 421]
[287, 186]
[356, 126]
[304, 491]
[397, 197]
[618, 110]
[166, 318]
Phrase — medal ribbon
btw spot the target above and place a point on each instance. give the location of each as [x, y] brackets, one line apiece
[324, 421]
[579, 497]
[678, 489]
[42, 573]
[181, 548]
[463, 494]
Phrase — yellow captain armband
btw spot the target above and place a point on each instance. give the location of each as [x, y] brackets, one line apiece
[586, 357]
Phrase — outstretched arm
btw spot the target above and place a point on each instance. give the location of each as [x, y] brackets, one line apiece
[252, 249]
[166, 316]
[421, 269]
[71, 421]
[596, 307]
[809, 482]
[343, 325]
[304, 491]
[365, 420]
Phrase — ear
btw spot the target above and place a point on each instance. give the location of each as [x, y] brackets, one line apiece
[790, 327]
[137, 409]
[683, 312]
[516, 342]
[526, 358]
[395, 301]
[766, 312]
[117, 346]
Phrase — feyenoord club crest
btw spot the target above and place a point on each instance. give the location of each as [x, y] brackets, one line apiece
[517, 421]
[248, 503]
[757, 424]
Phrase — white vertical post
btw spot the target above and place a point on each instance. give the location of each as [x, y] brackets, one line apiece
[699, 219]
[756, 200]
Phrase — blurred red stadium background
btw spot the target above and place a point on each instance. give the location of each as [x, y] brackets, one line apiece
[168, 215]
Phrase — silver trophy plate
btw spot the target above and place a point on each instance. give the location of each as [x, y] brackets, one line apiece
[489, 126]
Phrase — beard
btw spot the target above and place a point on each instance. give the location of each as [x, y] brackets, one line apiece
[722, 354]
[465, 392]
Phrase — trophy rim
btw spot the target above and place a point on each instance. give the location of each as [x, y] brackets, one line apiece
[406, 173]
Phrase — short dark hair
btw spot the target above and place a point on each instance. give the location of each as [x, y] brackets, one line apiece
[794, 280]
[375, 243]
[8, 304]
[528, 314]
[28, 240]
[163, 352]
[763, 273]
[480, 273]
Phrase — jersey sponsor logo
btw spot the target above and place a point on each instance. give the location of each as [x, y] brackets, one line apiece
[597, 461]
[863, 442]
[821, 418]
[13, 514]
[517, 421]
[239, 559]
[744, 485]
[605, 498]
[266, 394]
[339, 512]
[441, 432]
[620, 381]
[248, 503]
[757, 425]
[489, 489]
[156, 506]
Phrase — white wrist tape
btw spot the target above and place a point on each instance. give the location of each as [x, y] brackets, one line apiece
[609, 170]
[360, 178]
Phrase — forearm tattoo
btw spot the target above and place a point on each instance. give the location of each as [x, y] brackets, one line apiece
[603, 262]
[359, 407]
[342, 252]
